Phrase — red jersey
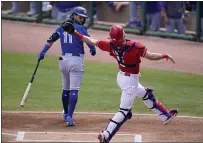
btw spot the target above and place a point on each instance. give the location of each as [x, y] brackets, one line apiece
[130, 59]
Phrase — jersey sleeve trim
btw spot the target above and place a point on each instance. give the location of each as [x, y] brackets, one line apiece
[97, 44]
[58, 33]
[144, 52]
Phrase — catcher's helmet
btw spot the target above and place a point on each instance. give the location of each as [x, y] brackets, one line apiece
[117, 34]
[80, 11]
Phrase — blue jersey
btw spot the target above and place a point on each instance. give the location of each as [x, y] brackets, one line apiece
[153, 7]
[67, 4]
[71, 43]
[174, 9]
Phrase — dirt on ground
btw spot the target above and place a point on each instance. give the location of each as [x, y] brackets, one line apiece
[150, 127]
[31, 37]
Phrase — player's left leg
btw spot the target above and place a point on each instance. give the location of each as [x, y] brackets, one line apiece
[170, 27]
[180, 26]
[156, 21]
[76, 76]
[152, 103]
[33, 8]
[65, 86]
[114, 125]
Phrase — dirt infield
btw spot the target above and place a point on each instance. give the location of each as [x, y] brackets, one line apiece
[30, 38]
[41, 126]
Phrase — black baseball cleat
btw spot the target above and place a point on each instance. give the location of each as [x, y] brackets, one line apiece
[173, 113]
[102, 139]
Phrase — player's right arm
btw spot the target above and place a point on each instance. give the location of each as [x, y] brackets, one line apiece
[54, 37]
[86, 39]
[103, 45]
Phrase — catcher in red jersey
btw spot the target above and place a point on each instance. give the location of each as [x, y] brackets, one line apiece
[128, 54]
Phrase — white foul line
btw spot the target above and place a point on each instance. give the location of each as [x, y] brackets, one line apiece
[56, 141]
[9, 134]
[69, 133]
[93, 113]
[20, 136]
[138, 138]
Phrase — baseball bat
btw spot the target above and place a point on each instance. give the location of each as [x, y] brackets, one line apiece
[23, 101]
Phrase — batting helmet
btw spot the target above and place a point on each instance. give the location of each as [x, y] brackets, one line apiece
[117, 34]
[80, 11]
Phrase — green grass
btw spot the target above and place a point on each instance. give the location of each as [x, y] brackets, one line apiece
[99, 90]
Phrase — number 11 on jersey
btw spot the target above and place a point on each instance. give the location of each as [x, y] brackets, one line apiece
[68, 38]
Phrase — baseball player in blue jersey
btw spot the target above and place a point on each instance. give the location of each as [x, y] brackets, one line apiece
[71, 62]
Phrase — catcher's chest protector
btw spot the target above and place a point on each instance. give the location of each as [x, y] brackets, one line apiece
[120, 53]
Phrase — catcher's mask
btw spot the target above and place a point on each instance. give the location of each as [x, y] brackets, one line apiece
[81, 11]
[117, 35]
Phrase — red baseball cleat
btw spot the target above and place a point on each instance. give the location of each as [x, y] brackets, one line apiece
[102, 138]
[173, 113]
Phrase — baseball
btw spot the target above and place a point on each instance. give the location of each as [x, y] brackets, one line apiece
[49, 7]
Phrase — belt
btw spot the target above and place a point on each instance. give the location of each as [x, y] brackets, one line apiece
[126, 74]
[129, 74]
[72, 54]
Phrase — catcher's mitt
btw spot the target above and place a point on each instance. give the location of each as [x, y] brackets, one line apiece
[68, 26]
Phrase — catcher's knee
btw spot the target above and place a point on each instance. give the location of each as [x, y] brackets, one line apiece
[126, 113]
[148, 94]
[151, 102]
[123, 115]
[149, 98]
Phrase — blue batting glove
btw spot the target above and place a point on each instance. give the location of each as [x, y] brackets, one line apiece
[42, 53]
[93, 52]
[40, 56]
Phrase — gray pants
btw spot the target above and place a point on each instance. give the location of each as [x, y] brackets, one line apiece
[153, 21]
[72, 69]
[61, 16]
[54, 11]
[176, 24]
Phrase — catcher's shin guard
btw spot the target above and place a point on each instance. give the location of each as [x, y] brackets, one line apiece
[152, 103]
[114, 125]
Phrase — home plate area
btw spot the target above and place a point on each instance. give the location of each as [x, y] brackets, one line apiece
[50, 127]
[72, 137]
